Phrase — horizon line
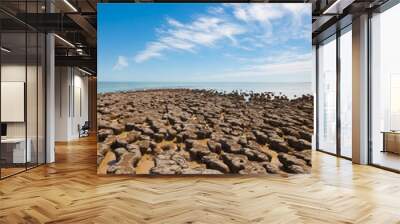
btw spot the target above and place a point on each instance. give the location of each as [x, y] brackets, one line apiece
[212, 81]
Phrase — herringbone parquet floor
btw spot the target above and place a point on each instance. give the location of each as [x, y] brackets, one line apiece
[69, 191]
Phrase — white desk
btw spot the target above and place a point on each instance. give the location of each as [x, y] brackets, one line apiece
[18, 147]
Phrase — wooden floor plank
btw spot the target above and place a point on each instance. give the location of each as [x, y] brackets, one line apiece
[69, 191]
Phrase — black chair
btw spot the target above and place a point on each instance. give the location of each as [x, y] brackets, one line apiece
[84, 130]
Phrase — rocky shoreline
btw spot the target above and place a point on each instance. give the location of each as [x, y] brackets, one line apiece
[183, 131]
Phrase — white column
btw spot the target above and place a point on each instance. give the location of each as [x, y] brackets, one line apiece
[50, 99]
[360, 90]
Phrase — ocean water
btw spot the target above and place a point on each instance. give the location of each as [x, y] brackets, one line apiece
[288, 89]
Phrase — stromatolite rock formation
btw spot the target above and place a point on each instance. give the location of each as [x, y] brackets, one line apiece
[182, 131]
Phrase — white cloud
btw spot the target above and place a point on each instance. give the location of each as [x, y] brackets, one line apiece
[265, 13]
[258, 72]
[174, 22]
[178, 44]
[121, 63]
[298, 9]
[246, 26]
[281, 68]
[152, 50]
[273, 23]
[288, 55]
[216, 10]
[203, 31]
[289, 64]
[259, 12]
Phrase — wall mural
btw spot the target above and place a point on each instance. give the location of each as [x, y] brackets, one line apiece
[204, 88]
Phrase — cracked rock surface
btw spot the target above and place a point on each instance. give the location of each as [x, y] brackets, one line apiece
[182, 131]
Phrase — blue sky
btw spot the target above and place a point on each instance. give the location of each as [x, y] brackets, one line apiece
[211, 42]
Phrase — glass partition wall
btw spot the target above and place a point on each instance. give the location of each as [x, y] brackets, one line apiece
[327, 95]
[334, 83]
[22, 77]
[334, 105]
[345, 91]
[385, 89]
[13, 85]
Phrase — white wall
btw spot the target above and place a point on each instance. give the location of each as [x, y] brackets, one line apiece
[61, 103]
[33, 127]
[80, 108]
[70, 84]
[16, 72]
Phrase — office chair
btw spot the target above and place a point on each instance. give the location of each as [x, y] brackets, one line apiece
[84, 130]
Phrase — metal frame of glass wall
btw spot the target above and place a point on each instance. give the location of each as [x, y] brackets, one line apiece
[381, 9]
[334, 37]
[389, 4]
[27, 55]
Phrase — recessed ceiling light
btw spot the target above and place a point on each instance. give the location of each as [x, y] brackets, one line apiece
[64, 40]
[70, 5]
[84, 71]
[5, 50]
[337, 7]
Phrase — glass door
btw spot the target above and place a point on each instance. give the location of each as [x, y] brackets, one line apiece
[14, 155]
[22, 77]
[346, 92]
[385, 89]
[327, 96]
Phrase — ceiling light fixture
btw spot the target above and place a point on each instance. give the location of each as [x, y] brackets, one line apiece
[84, 71]
[70, 5]
[337, 7]
[5, 50]
[64, 40]
[79, 51]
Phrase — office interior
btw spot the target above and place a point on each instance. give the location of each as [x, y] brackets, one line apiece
[376, 91]
[48, 79]
[44, 96]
